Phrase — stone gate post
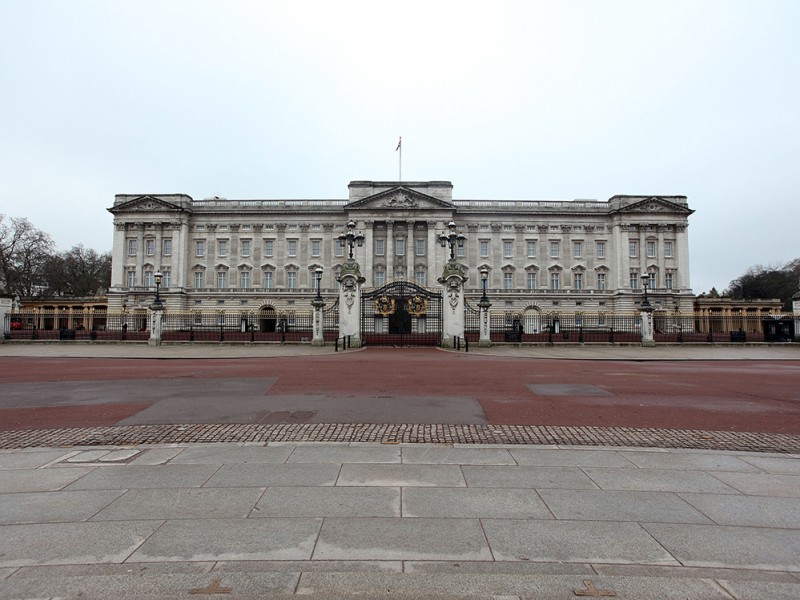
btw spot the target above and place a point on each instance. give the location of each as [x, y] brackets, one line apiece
[350, 280]
[646, 316]
[156, 323]
[453, 278]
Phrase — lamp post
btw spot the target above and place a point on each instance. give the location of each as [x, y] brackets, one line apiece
[484, 305]
[351, 238]
[484, 282]
[452, 238]
[158, 277]
[318, 278]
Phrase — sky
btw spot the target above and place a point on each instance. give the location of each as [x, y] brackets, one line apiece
[507, 100]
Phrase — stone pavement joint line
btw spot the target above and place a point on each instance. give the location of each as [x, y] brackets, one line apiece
[403, 433]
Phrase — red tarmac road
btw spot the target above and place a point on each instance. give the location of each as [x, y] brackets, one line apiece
[402, 386]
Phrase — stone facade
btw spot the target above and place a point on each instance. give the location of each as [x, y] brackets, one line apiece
[542, 256]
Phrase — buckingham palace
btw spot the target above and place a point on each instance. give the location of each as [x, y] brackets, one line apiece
[541, 255]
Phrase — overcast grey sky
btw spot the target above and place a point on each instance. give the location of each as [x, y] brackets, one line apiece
[508, 100]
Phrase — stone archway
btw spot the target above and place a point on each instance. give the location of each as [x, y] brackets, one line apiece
[267, 319]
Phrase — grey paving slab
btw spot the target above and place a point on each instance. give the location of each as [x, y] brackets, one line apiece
[762, 484]
[40, 480]
[145, 476]
[181, 503]
[103, 569]
[501, 587]
[691, 461]
[119, 456]
[693, 573]
[759, 590]
[345, 454]
[718, 546]
[498, 567]
[753, 511]
[774, 464]
[573, 541]
[567, 389]
[53, 507]
[609, 505]
[402, 539]
[475, 503]
[87, 456]
[298, 566]
[230, 539]
[400, 475]
[153, 585]
[265, 475]
[5, 572]
[329, 502]
[29, 460]
[156, 456]
[456, 456]
[658, 480]
[72, 543]
[227, 454]
[569, 458]
[527, 477]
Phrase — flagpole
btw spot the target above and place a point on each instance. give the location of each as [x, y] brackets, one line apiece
[400, 159]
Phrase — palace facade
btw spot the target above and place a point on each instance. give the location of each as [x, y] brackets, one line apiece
[542, 256]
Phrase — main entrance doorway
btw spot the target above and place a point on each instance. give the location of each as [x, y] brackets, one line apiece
[401, 313]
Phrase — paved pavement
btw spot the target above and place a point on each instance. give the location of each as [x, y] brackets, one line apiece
[398, 520]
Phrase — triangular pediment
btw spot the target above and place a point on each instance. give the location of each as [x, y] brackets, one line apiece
[146, 204]
[655, 205]
[401, 198]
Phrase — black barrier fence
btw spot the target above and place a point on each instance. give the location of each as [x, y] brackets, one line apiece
[425, 328]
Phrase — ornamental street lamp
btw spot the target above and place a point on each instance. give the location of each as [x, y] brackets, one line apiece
[158, 277]
[645, 282]
[452, 238]
[484, 282]
[318, 278]
[351, 238]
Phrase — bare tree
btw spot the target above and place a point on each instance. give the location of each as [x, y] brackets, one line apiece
[24, 255]
[79, 271]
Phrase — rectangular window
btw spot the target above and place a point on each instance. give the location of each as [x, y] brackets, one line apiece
[508, 248]
[531, 248]
[420, 247]
[269, 247]
[484, 246]
[633, 248]
[600, 249]
[291, 247]
[149, 281]
[554, 249]
[245, 247]
[508, 281]
[400, 247]
[668, 249]
[131, 278]
[268, 280]
[601, 281]
[380, 278]
[149, 247]
[199, 248]
[291, 280]
[419, 277]
[651, 249]
[668, 281]
[634, 280]
[132, 248]
[338, 248]
[168, 247]
[198, 279]
[577, 249]
[166, 279]
[460, 249]
[555, 281]
[222, 247]
[222, 279]
[380, 247]
[531, 281]
[316, 247]
[244, 279]
[578, 281]
[601, 320]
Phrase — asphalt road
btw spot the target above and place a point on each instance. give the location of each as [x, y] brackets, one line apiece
[401, 386]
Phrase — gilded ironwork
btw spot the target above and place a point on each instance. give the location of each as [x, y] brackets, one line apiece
[417, 306]
[384, 306]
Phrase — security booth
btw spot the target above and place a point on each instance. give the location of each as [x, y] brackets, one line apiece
[778, 329]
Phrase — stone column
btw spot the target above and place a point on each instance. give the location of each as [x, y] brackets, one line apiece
[646, 315]
[156, 323]
[389, 251]
[350, 281]
[453, 279]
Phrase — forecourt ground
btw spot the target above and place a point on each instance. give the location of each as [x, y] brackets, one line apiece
[589, 516]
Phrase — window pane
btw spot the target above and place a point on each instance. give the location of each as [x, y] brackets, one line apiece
[268, 279]
[531, 281]
[198, 279]
[601, 249]
[222, 247]
[484, 246]
[291, 281]
[199, 249]
[167, 247]
[268, 247]
[508, 248]
[244, 279]
[400, 246]
[633, 249]
[577, 249]
[555, 281]
[315, 247]
[292, 248]
[553, 249]
[380, 247]
[245, 247]
[531, 249]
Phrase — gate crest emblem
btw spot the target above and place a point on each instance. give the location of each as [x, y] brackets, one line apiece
[417, 306]
[384, 305]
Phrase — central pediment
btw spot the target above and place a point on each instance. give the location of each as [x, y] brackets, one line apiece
[400, 198]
